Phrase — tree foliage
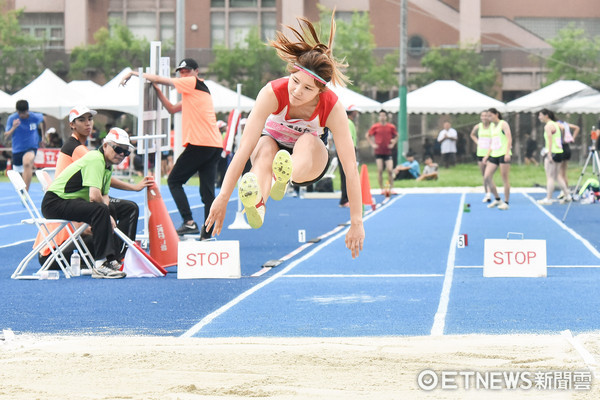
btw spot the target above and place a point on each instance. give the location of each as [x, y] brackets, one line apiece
[355, 43]
[115, 49]
[575, 57]
[21, 55]
[463, 65]
[251, 63]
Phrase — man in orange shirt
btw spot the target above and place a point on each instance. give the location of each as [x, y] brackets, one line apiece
[201, 138]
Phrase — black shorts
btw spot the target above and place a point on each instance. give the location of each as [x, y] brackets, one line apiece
[566, 154]
[383, 157]
[291, 151]
[557, 157]
[498, 160]
[17, 158]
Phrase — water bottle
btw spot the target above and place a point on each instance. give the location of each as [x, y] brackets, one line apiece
[75, 263]
[47, 275]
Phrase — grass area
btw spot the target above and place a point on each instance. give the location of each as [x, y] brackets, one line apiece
[468, 175]
[462, 175]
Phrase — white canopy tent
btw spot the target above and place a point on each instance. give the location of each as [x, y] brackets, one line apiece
[113, 96]
[581, 105]
[550, 96]
[87, 88]
[444, 97]
[225, 99]
[6, 102]
[351, 98]
[49, 94]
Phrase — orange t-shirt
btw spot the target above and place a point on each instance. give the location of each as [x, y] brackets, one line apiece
[71, 151]
[199, 123]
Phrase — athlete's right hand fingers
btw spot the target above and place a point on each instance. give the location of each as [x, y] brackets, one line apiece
[214, 219]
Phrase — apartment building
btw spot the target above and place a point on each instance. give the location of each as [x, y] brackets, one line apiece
[508, 31]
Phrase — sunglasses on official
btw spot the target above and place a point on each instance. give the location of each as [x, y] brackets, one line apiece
[120, 150]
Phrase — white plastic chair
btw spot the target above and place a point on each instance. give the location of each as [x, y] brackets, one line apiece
[49, 229]
[44, 177]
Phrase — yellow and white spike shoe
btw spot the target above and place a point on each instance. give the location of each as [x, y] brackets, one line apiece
[282, 171]
[249, 193]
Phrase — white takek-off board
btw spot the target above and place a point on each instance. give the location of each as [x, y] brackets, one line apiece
[505, 258]
[208, 259]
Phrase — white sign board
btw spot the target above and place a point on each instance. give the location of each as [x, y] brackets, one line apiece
[514, 258]
[209, 259]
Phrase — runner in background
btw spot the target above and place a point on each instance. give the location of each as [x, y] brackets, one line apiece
[481, 134]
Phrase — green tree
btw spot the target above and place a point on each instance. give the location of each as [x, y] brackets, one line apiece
[115, 49]
[21, 55]
[355, 43]
[463, 65]
[251, 63]
[575, 57]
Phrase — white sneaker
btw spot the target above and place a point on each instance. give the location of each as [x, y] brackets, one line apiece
[249, 193]
[487, 198]
[495, 203]
[503, 206]
[566, 200]
[545, 202]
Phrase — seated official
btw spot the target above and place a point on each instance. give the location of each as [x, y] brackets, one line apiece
[80, 193]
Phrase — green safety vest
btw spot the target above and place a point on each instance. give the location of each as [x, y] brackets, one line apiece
[484, 138]
[499, 143]
[556, 145]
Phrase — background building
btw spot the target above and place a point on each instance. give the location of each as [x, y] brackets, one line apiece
[509, 31]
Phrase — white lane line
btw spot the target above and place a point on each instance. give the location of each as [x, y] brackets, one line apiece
[576, 235]
[365, 276]
[210, 317]
[588, 358]
[439, 320]
[298, 250]
[16, 243]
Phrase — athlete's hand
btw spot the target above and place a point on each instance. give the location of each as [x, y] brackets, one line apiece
[216, 215]
[355, 238]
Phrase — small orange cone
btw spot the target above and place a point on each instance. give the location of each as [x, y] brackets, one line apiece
[365, 187]
[162, 234]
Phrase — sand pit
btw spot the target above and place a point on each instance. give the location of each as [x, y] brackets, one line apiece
[121, 367]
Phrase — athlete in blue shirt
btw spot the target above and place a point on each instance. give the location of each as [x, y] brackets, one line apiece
[23, 126]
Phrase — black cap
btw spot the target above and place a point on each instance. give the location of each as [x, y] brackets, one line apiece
[187, 63]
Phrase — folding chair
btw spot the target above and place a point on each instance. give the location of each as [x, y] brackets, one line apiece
[330, 173]
[44, 177]
[49, 233]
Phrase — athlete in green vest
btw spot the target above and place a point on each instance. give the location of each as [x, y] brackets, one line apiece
[481, 134]
[553, 157]
[499, 155]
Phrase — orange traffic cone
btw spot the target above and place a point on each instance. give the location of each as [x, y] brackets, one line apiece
[365, 187]
[162, 234]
